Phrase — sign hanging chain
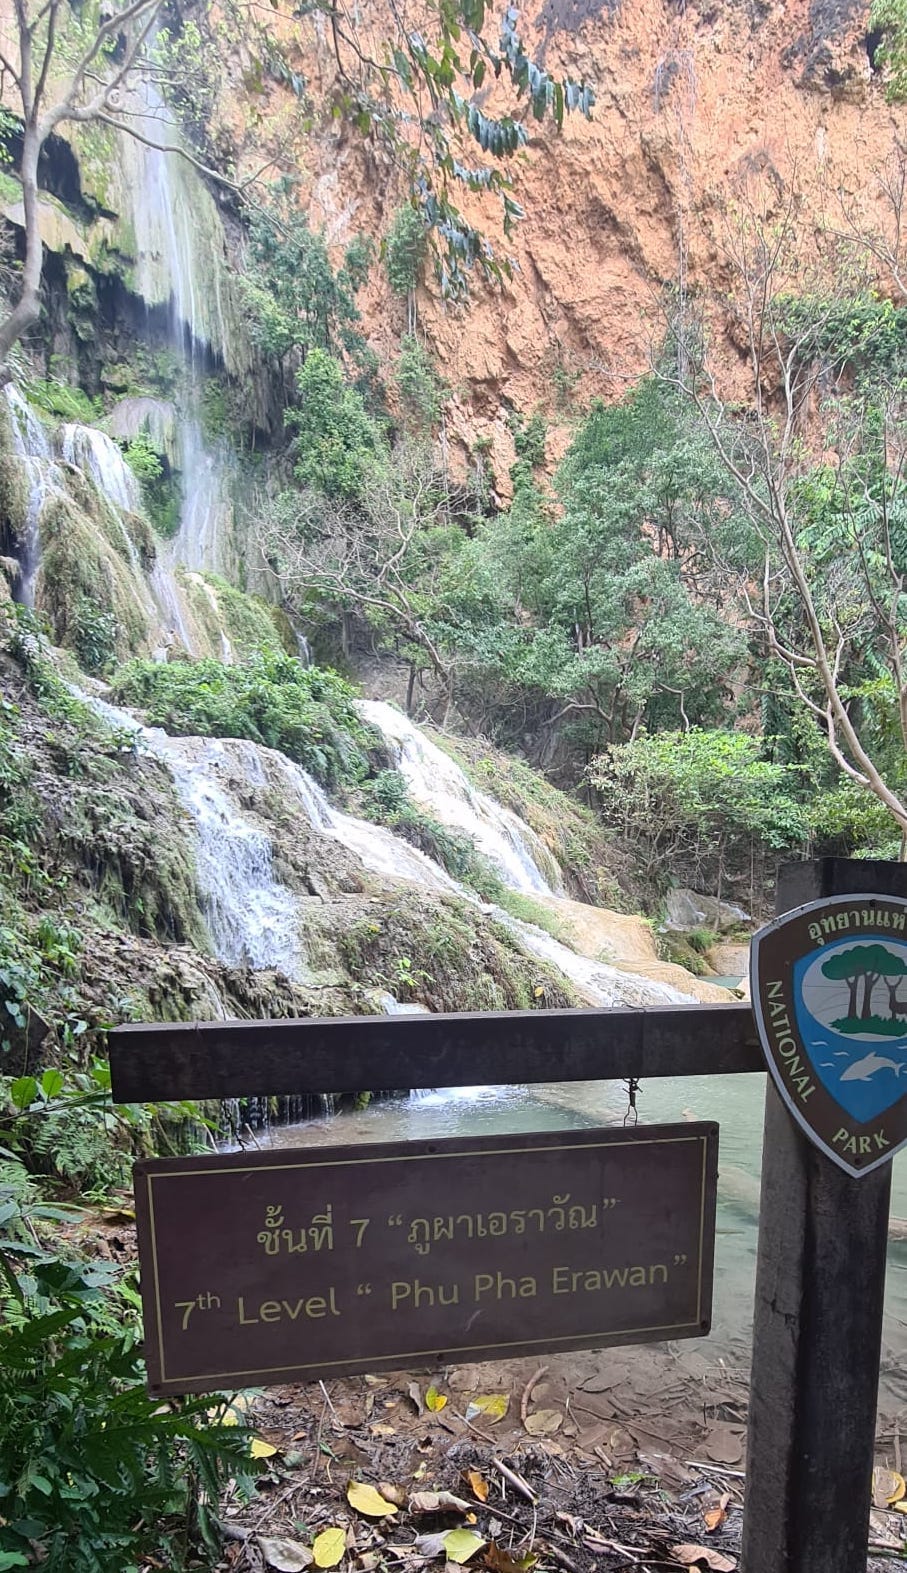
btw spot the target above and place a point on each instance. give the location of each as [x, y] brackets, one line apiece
[632, 1115]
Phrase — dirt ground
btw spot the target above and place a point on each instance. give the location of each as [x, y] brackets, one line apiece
[611, 1460]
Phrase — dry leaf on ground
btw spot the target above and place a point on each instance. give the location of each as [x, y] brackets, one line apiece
[724, 1445]
[490, 1407]
[461, 1544]
[395, 1494]
[365, 1499]
[887, 1487]
[438, 1502]
[690, 1556]
[500, 1560]
[329, 1546]
[430, 1545]
[287, 1556]
[479, 1484]
[715, 1516]
[543, 1422]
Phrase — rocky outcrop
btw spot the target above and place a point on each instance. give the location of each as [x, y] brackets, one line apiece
[694, 101]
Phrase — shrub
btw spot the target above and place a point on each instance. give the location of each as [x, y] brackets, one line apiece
[306, 712]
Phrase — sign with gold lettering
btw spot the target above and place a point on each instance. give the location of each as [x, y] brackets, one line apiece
[829, 986]
[289, 1265]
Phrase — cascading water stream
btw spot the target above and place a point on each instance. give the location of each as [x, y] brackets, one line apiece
[43, 479]
[438, 784]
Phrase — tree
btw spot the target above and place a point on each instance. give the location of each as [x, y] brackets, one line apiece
[373, 552]
[296, 299]
[867, 964]
[336, 438]
[816, 454]
[108, 53]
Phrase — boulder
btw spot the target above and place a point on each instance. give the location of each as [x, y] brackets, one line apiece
[690, 909]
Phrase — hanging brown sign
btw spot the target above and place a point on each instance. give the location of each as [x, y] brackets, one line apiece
[289, 1265]
[829, 986]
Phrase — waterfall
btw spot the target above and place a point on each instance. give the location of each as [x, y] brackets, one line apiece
[99, 458]
[253, 918]
[43, 480]
[437, 784]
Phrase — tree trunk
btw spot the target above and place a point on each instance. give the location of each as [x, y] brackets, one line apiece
[28, 307]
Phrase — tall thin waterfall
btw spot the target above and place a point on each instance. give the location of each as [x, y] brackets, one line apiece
[180, 264]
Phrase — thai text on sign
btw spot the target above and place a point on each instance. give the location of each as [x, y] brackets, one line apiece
[289, 1265]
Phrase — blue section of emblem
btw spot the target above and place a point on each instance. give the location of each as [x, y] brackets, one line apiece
[851, 1008]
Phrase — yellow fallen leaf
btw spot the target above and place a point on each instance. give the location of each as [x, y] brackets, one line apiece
[461, 1544]
[365, 1499]
[328, 1547]
[435, 1400]
[887, 1487]
[479, 1484]
[490, 1407]
[262, 1449]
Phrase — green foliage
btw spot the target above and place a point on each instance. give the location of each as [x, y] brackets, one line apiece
[93, 636]
[95, 1475]
[296, 301]
[357, 261]
[890, 18]
[306, 712]
[406, 249]
[863, 331]
[336, 438]
[596, 611]
[421, 391]
[63, 401]
[676, 794]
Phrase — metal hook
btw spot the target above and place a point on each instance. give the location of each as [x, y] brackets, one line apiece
[632, 1115]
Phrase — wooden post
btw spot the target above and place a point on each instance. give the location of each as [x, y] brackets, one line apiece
[820, 1283]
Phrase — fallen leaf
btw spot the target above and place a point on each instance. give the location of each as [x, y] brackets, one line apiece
[395, 1494]
[715, 1516]
[479, 1484]
[431, 1545]
[287, 1556]
[435, 1400]
[701, 1556]
[461, 1544]
[365, 1499]
[724, 1445]
[329, 1546]
[500, 1560]
[262, 1449]
[887, 1487]
[230, 1414]
[414, 1392]
[490, 1407]
[438, 1502]
[542, 1422]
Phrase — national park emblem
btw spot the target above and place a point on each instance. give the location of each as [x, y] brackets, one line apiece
[829, 987]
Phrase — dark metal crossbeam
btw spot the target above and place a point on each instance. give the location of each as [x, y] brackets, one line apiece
[235, 1059]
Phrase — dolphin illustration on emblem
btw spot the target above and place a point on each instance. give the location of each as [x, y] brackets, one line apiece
[829, 990]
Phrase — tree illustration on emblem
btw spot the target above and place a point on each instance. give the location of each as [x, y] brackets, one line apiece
[869, 965]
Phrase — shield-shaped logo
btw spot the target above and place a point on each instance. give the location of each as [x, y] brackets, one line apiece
[829, 987]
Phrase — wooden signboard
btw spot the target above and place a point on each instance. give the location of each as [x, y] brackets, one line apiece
[289, 1265]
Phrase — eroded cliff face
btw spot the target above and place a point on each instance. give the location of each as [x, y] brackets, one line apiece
[695, 101]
